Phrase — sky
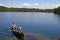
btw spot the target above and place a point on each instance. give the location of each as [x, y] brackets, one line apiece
[44, 4]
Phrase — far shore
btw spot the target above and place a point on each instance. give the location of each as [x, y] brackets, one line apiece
[5, 9]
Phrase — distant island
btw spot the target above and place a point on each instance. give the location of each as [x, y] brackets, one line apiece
[6, 9]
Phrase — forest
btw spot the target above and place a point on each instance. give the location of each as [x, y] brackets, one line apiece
[6, 9]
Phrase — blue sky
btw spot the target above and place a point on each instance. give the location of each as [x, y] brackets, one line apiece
[42, 3]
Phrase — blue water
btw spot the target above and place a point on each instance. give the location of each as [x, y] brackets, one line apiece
[45, 24]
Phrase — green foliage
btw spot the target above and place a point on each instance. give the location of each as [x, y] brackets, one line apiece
[57, 10]
[5, 9]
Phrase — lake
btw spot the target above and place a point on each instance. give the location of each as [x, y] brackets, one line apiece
[45, 24]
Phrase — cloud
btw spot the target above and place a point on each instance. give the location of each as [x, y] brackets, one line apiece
[57, 5]
[34, 5]
[1, 5]
[47, 6]
[27, 5]
[39, 6]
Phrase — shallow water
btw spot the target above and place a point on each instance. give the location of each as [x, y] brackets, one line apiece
[45, 24]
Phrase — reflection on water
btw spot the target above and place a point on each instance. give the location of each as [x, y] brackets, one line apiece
[46, 24]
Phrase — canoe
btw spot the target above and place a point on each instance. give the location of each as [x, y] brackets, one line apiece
[17, 33]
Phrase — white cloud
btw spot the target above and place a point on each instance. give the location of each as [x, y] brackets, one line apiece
[57, 5]
[27, 5]
[1, 5]
[47, 6]
[34, 5]
[40, 6]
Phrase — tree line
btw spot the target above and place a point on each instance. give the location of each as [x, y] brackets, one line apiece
[57, 10]
[6, 9]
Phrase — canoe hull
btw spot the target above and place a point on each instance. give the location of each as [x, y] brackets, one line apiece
[19, 35]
